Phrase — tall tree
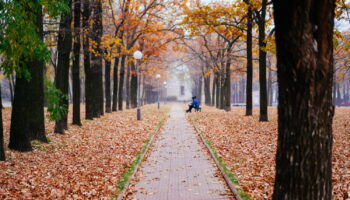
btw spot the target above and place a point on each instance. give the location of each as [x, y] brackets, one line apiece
[304, 43]
[249, 89]
[96, 58]
[262, 61]
[89, 95]
[35, 109]
[76, 63]
[64, 47]
[27, 120]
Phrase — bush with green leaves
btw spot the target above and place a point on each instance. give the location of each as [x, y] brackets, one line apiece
[53, 98]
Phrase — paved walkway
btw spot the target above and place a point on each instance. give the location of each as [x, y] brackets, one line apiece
[179, 168]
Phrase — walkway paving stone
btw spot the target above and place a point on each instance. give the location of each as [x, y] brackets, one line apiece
[178, 167]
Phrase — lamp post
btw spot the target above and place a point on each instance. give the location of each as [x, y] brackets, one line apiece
[165, 96]
[158, 77]
[138, 55]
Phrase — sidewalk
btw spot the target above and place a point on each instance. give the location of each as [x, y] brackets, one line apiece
[179, 168]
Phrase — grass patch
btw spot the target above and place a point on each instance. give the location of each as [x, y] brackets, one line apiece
[222, 163]
[130, 169]
[38, 145]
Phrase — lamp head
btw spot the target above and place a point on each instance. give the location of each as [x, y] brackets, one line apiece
[137, 55]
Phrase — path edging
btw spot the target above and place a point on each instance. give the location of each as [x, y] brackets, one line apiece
[143, 152]
[227, 179]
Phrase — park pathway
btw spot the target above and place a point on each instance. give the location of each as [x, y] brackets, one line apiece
[178, 167]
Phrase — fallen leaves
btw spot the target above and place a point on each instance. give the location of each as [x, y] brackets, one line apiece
[85, 163]
[249, 147]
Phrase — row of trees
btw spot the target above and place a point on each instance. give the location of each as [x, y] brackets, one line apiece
[309, 62]
[90, 45]
[228, 39]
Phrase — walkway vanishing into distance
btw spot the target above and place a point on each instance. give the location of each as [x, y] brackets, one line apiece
[179, 167]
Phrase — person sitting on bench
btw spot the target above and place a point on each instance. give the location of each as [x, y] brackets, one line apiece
[195, 104]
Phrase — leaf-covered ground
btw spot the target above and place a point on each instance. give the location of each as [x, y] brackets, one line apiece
[249, 147]
[85, 163]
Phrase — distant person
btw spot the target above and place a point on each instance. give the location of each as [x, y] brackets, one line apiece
[195, 104]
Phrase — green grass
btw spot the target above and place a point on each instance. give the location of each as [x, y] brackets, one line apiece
[130, 169]
[222, 163]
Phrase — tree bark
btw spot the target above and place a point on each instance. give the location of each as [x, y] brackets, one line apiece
[64, 46]
[2, 151]
[96, 61]
[227, 94]
[200, 83]
[218, 88]
[262, 64]
[11, 85]
[108, 85]
[304, 41]
[269, 88]
[121, 83]
[207, 91]
[133, 84]
[115, 84]
[76, 64]
[222, 89]
[249, 89]
[127, 87]
[89, 95]
[213, 101]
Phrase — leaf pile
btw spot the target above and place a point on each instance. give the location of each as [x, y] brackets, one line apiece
[85, 163]
[249, 147]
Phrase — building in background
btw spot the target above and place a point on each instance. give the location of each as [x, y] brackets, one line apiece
[179, 84]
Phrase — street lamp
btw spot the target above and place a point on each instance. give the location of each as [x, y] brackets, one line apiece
[138, 56]
[158, 77]
[165, 95]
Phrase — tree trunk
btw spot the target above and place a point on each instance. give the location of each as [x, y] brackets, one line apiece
[200, 83]
[207, 90]
[222, 89]
[19, 131]
[304, 41]
[89, 95]
[108, 85]
[2, 150]
[11, 85]
[121, 83]
[76, 64]
[213, 102]
[218, 88]
[227, 94]
[96, 60]
[249, 89]
[262, 64]
[64, 46]
[115, 84]
[269, 88]
[339, 98]
[127, 87]
[133, 84]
